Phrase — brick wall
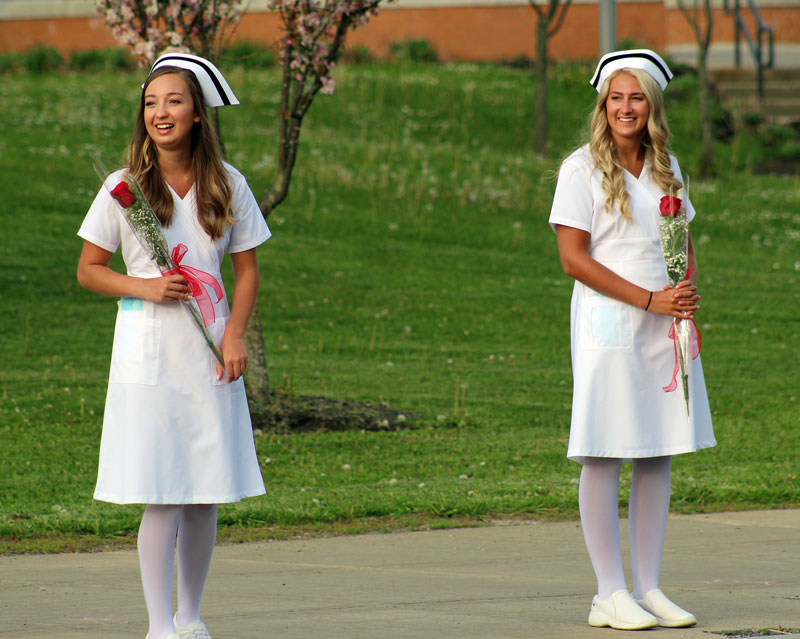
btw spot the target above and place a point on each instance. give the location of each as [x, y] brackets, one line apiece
[457, 33]
[66, 34]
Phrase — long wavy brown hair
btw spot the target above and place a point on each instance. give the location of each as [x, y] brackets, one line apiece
[604, 151]
[213, 192]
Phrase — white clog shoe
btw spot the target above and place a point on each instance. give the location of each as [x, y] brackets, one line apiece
[196, 630]
[668, 614]
[620, 611]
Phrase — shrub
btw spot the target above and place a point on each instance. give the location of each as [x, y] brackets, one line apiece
[111, 59]
[118, 59]
[10, 62]
[629, 43]
[777, 134]
[248, 55]
[42, 58]
[89, 60]
[752, 119]
[414, 50]
[357, 55]
[790, 151]
[519, 61]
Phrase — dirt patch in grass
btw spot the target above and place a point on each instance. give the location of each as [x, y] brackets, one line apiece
[302, 414]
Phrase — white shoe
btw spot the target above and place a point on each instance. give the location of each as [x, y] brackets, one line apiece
[620, 611]
[196, 630]
[668, 614]
[171, 635]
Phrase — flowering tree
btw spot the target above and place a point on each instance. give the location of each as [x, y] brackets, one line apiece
[149, 26]
[313, 38]
[314, 34]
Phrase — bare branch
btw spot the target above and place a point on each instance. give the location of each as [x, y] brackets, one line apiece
[560, 21]
[536, 8]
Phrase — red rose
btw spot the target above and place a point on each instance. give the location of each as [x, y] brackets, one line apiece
[122, 193]
[669, 206]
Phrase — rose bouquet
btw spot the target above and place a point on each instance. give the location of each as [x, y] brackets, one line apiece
[673, 231]
[145, 226]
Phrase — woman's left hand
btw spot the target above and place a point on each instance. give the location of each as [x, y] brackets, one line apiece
[235, 355]
[680, 302]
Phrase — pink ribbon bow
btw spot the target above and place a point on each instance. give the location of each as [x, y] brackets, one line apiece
[695, 343]
[197, 279]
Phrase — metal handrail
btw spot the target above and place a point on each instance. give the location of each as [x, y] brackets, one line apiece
[757, 48]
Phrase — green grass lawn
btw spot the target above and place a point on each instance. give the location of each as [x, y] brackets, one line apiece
[412, 264]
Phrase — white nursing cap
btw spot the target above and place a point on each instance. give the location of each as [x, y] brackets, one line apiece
[216, 92]
[643, 59]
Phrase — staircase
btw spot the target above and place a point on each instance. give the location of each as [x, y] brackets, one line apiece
[738, 90]
[773, 92]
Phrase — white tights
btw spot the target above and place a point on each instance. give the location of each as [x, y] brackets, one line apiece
[648, 508]
[195, 527]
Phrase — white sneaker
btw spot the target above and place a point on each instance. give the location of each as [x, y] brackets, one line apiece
[668, 614]
[620, 611]
[171, 635]
[196, 630]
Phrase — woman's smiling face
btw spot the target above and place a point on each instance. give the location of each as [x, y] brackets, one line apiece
[627, 109]
[169, 113]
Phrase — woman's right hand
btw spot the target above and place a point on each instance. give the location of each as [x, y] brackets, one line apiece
[167, 288]
[95, 275]
[679, 302]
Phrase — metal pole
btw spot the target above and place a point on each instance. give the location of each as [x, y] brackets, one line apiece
[607, 20]
[737, 35]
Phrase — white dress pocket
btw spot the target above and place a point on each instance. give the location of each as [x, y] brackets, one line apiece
[134, 359]
[607, 322]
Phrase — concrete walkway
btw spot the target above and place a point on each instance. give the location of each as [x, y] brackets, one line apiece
[735, 571]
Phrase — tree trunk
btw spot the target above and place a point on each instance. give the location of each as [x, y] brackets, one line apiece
[540, 141]
[294, 103]
[702, 33]
[704, 95]
[218, 130]
[256, 380]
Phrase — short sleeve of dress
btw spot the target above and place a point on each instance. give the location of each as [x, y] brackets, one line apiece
[676, 170]
[573, 202]
[101, 226]
[250, 229]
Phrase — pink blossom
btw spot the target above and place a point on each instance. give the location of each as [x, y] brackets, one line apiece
[149, 25]
[151, 8]
[328, 85]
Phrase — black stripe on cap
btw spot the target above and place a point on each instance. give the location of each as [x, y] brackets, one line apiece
[621, 56]
[200, 63]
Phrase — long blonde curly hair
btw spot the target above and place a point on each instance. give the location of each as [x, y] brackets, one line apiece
[604, 152]
[214, 194]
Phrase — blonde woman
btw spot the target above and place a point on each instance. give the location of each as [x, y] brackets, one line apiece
[176, 429]
[605, 213]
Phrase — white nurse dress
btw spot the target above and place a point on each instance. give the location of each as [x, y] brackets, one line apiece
[172, 432]
[622, 356]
